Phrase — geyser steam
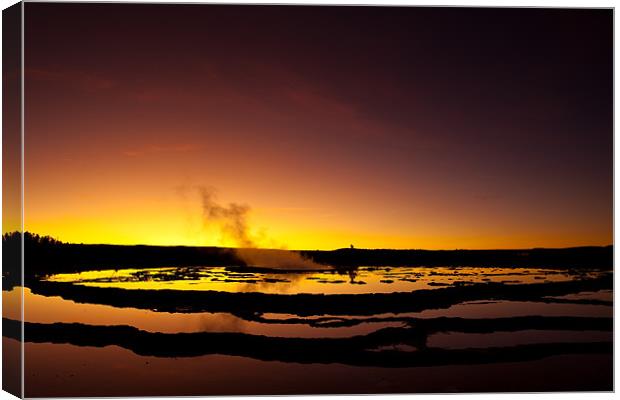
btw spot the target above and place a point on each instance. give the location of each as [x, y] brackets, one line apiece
[232, 221]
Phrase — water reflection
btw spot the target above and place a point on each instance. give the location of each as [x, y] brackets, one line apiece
[52, 309]
[351, 281]
[78, 371]
[499, 309]
[180, 324]
[459, 340]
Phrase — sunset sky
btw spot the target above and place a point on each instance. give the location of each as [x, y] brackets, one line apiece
[377, 127]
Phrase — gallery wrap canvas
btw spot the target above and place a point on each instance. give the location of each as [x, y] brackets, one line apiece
[204, 199]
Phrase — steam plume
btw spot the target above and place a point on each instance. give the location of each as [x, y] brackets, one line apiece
[233, 219]
[233, 223]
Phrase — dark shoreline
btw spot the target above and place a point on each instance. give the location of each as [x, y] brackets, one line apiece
[43, 255]
[357, 350]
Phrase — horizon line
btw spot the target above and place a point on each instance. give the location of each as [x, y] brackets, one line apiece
[299, 250]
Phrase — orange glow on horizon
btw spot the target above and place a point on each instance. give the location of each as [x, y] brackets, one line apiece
[326, 149]
[175, 228]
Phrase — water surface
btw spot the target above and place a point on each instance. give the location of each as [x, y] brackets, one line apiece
[548, 341]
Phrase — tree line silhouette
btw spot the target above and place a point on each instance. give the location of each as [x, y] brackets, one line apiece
[46, 255]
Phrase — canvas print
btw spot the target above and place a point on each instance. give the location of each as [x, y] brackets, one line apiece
[205, 199]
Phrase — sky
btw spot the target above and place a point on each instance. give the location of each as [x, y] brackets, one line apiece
[381, 127]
